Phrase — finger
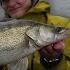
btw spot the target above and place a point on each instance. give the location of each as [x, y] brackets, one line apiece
[44, 52]
[59, 46]
[52, 52]
[49, 49]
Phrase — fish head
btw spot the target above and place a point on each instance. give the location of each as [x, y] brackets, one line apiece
[44, 35]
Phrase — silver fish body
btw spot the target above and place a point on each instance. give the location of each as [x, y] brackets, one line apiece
[19, 38]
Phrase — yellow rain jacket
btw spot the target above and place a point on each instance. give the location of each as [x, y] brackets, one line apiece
[40, 13]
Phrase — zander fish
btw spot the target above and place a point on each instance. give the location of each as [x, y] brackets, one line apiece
[19, 38]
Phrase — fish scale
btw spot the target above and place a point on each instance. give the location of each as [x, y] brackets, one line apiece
[19, 38]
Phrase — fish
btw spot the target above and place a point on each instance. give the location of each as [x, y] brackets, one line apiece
[19, 38]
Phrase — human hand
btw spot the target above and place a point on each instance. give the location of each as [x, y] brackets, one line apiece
[52, 50]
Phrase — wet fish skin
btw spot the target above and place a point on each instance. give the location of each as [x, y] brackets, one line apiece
[19, 38]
